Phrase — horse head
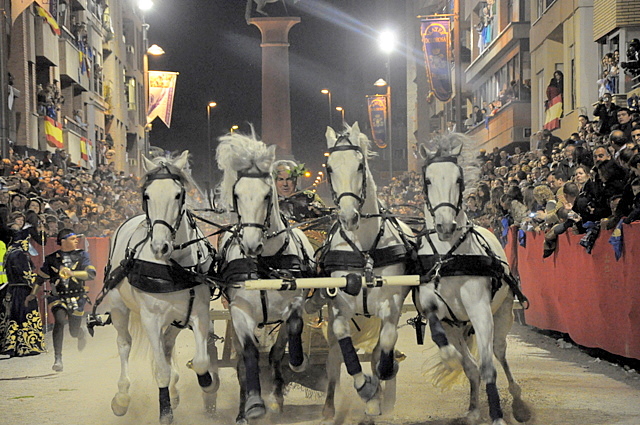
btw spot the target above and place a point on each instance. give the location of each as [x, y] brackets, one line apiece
[443, 184]
[163, 198]
[248, 186]
[347, 173]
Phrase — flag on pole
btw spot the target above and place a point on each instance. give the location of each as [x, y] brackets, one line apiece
[50, 19]
[162, 86]
[436, 36]
[377, 106]
[17, 7]
[553, 113]
[53, 130]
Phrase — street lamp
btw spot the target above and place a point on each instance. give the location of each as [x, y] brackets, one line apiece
[233, 128]
[328, 93]
[210, 105]
[387, 42]
[341, 110]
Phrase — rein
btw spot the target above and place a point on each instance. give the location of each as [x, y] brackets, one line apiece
[267, 221]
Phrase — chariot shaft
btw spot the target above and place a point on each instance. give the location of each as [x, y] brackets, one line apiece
[329, 282]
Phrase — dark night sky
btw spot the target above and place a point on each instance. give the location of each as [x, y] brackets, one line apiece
[219, 58]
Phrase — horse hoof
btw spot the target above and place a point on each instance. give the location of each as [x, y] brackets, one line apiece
[521, 411]
[120, 404]
[473, 416]
[254, 407]
[167, 418]
[385, 375]
[175, 401]
[451, 357]
[241, 421]
[303, 365]
[499, 422]
[369, 389]
[57, 366]
[372, 408]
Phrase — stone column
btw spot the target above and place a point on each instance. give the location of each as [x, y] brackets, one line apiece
[276, 102]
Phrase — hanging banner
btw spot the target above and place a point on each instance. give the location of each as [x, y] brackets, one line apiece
[83, 149]
[377, 106]
[162, 86]
[17, 7]
[53, 131]
[553, 113]
[50, 19]
[436, 36]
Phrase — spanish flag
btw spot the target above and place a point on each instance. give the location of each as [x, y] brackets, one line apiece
[53, 130]
[50, 20]
[553, 113]
[83, 149]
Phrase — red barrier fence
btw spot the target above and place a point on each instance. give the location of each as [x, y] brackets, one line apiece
[592, 297]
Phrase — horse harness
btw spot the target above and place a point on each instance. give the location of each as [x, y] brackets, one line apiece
[363, 261]
[434, 266]
[363, 168]
[426, 183]
[278, 265]
[163, 173]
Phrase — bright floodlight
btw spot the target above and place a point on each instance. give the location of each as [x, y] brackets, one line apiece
[380, 83]
[212, 104]
[324, 91]
[339, 108]
[145, 4]
[387, 41]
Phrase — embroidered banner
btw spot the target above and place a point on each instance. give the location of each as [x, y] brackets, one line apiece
[50, 19]
[436, 35]
[162, 86]
[553, 113]
[377, 106]
[53, 130]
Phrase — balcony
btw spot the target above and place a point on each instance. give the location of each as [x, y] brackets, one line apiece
[514, 37]
[71, 70]
[510, 124]
[46, 42]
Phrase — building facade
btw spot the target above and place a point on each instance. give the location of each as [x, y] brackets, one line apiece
[76, 72]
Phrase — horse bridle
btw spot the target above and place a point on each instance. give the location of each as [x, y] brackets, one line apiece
[163, 173]
[267, 220]
[363, 191]
[458, 206]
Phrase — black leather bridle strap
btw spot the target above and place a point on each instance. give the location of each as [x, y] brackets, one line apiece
[457, 206]
[267, 221]
[350, 147]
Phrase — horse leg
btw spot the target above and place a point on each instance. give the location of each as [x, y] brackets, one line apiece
[169, 342]
[276, 354]
[243, 325]
[367, 386]
[120, 320]
[428, 308]
[201, 361]
[477, 305]
[503, 320]
[334, 361]
[461, 341]
[297, 360]
[162, 367]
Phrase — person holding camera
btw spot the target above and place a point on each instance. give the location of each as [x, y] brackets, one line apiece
[607, 113]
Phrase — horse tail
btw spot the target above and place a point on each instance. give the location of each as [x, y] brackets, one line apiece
[444, 373]
[140, 346]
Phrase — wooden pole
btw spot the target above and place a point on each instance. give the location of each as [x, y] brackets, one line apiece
[328, 282]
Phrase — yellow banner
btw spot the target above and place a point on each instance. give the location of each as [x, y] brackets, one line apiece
[162, 86]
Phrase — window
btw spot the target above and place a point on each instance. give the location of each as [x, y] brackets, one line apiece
[130, 93]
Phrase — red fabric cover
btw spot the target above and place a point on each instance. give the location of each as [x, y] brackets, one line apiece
[593, 298]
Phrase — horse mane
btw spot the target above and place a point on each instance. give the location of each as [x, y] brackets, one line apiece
[362, 141]
[241, 152]
[167, 161]
[447, 145]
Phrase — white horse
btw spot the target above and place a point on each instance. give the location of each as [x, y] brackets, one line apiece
[161, 284]
[260, 245]
[362, 240]
[470, 287]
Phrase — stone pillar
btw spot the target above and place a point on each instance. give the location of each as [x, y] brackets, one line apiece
[276, 102]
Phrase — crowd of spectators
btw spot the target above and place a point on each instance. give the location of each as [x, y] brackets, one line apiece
[516, 90]
[584, 183]
[50, 194]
